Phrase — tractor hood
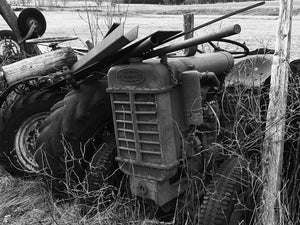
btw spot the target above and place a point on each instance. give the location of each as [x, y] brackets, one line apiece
[250, 72]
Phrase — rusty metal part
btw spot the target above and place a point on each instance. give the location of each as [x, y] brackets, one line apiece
[125, 53]
[3, 82]
[69, 77]
[112, 28]
[27, 18]
[137, 48]
[30, 32]
[25, 140]
[236, 54]
[50, 40]
[251, 72]
[8, 45]
[109, 46]
[145, 46]
[225, 32]
[158, 36]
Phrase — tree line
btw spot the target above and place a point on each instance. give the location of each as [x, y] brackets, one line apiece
[183, 1]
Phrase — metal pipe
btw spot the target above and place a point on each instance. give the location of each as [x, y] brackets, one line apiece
[143, 47]
[225, 32]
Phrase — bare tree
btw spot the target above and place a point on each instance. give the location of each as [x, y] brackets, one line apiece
[101, 17]
[25, 2]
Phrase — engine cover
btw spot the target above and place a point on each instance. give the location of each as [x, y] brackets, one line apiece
[148, 113]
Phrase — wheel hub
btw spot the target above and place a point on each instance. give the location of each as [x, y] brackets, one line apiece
[9, 47]
[25, 141]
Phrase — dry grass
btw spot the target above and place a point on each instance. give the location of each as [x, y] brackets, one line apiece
[29, 202]
[23, 202]
[249, 113]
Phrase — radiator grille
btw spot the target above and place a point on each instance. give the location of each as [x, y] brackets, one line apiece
[137, 128]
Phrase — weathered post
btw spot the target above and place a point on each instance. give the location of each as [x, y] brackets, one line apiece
[188, 24]
[272, 156]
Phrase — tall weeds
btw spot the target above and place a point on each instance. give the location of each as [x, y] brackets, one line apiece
[249, 114]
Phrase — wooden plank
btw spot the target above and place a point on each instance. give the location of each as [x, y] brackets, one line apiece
[106, 48]
[273, 146]
[39, 65]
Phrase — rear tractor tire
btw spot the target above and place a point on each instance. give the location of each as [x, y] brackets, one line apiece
[19, 126]
[72, 137]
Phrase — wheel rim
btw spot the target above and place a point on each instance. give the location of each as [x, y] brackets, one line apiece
[9, 47]
[25, 141]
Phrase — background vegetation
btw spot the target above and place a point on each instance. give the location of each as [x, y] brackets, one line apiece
[57, 3]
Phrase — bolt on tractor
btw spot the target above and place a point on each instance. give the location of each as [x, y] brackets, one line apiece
[129, 111]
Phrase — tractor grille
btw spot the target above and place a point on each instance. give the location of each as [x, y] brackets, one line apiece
[137, 129]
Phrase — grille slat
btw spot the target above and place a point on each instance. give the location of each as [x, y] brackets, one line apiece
[126, 139]
[150, 152]
[124, 130]
[137, 126]
[120, 111]
[146, 103]
[150, 142]
[123, 121]
[147, 123]
[145, 113]
[148, 132]
[127, 149]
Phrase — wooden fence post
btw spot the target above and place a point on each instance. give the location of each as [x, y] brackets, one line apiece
[188, 24]
[272, 156]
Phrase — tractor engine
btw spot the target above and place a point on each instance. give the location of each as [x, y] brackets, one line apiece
[162, 113]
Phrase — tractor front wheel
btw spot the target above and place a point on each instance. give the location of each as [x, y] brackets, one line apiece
[19, 126]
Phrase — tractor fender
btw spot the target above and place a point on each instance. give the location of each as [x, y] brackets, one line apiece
[251, 72]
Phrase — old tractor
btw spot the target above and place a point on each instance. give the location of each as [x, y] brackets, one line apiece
[130, 111]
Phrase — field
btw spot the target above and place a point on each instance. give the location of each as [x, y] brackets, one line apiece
[28, 202]
[258, 30]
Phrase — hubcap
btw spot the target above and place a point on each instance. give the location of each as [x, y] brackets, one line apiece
[25, 141]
